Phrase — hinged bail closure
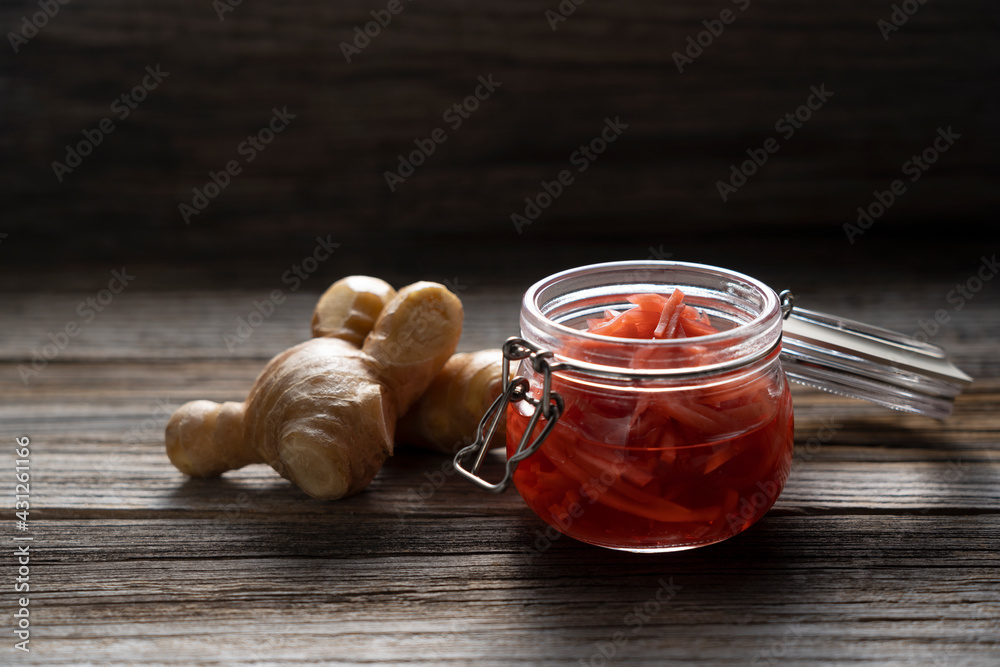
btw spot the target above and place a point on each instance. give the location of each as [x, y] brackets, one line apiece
[549, 405]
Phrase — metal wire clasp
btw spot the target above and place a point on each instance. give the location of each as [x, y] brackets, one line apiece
[548, 405]
[787, 303]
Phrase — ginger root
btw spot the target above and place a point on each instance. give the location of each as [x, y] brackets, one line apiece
[446, 417]
[323, 413]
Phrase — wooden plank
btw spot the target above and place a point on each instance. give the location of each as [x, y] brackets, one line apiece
[126, 473]
[139, 482]
[166, 593]
[195, 325]
[143, 325]
[881, 550]
[558, 86]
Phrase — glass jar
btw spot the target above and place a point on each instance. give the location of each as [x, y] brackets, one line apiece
[661, 445]
[668, 444]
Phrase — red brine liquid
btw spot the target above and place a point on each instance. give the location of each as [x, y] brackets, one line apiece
[658, 468]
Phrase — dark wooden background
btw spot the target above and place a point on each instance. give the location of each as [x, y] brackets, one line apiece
[324, 174]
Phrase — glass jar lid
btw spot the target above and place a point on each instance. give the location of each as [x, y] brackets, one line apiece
[863, 361]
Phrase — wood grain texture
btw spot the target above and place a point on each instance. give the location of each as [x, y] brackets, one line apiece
[325, 172]
[883, 549]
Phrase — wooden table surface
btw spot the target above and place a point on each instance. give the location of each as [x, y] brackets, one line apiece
[883, 548]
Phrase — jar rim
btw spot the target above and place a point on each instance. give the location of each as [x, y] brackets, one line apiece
[766, 319]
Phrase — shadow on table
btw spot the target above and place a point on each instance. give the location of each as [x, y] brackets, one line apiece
[462, 550]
